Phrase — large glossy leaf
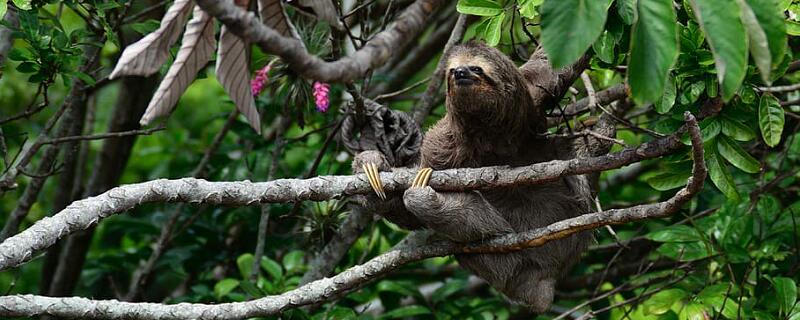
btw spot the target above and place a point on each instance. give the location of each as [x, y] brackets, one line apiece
[759, 47]
[626, 10]
[196, 50]
[737, 130]
[786, 290]
[721, 23]
[770, 16]
[493, 29]
[233, 73]
[737, 156]
[719, 173]
[569, 27]
[145, 57]
[654, 49]
[770, 119]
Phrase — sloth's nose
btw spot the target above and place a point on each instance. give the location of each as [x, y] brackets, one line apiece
[461, 73]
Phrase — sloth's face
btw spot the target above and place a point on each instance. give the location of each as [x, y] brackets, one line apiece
[467, 74]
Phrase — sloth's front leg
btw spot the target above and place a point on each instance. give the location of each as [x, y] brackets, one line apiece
[389, 206]
[458, 216]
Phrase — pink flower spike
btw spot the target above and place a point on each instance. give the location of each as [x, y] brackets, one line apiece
[260, 80]
[321, 98]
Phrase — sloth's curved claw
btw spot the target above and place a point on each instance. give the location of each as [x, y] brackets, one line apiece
[422, 178]
[371, 170]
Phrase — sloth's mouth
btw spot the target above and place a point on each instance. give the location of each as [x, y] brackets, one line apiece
[465, 82]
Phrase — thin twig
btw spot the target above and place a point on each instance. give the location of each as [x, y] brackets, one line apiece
[787, 88]
[142, 132]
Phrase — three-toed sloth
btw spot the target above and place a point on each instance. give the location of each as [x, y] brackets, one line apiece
[491, 120]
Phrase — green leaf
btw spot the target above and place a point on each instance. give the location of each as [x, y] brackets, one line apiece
[245, 264]
[527, 8]
[654, 49]
[627, 11]
[224, 287]
[494, 29]
[604, 47]
[757, 38]
[716, 296]
[734, 153]
[448, 289]
[768, 207]
[786, 290]
[486, 8]
[569, 27]
[664, 105]
[87, 79]
[669, 180]
[28, 67]
[145, 27]
[770, 119]
[677, 233]
[293, 261]
[693, 311]
[3, 8]
[792, 28]
[761, 315]
[736, 130]
[662, 301]
[719, 173]
[770, 17]
[405, 312]
[17, 54]
[22, 4]
[709, 128]
[273, 268]
[725, 33]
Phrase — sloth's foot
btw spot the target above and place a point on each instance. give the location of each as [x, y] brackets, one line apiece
[422, 178]
[371, 170]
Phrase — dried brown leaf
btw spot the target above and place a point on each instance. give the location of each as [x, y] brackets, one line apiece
[196, 50]
[232, 72]
[146, 56]
[274, 16]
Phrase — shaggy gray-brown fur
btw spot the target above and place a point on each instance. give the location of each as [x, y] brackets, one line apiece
[491, 120]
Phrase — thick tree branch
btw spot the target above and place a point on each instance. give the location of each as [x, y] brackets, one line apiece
[85, 213]
[376, 52]
[414, 248]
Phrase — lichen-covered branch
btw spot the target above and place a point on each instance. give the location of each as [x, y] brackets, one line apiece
[414, 248]
[372, 55]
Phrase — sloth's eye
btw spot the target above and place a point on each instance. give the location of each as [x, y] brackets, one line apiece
[476, 69]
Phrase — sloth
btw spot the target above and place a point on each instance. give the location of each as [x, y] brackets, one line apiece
[491, 120]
